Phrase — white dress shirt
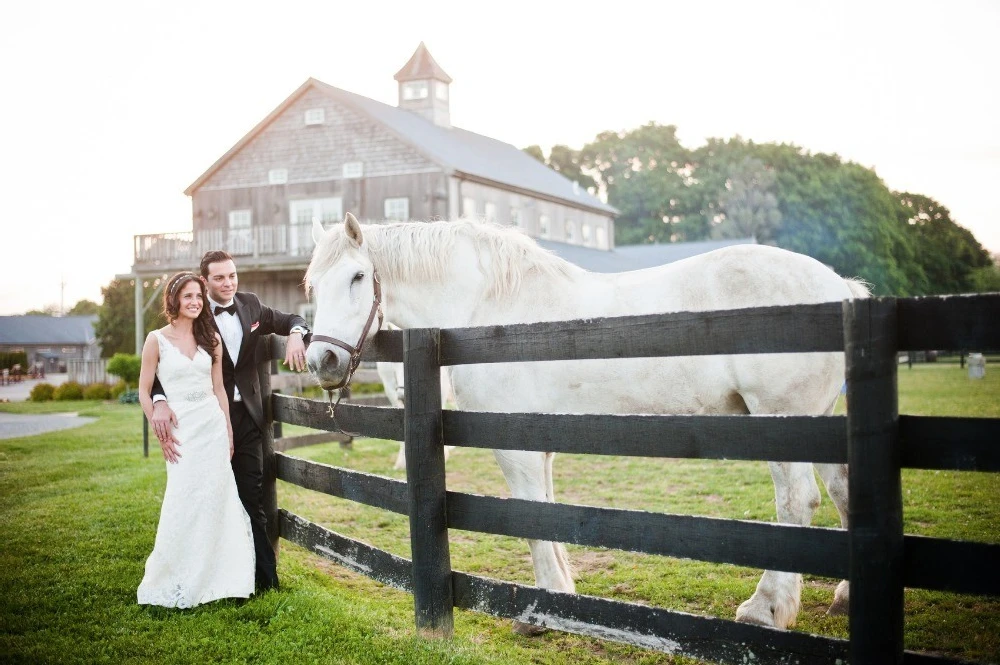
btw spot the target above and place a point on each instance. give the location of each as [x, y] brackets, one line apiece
[231, 331]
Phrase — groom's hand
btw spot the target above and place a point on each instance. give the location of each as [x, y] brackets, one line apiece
[163, 422]
[295, 352]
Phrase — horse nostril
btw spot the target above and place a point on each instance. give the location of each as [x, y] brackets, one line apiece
[329, 360]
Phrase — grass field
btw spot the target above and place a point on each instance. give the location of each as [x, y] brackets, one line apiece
[78, 513]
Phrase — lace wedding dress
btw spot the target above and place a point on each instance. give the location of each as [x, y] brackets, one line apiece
[204, 545]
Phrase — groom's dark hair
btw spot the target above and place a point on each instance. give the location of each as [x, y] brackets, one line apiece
[215, 256]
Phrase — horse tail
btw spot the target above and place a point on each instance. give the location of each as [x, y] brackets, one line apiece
[859, 287]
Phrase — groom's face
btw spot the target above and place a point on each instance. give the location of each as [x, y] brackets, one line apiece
[222, 281]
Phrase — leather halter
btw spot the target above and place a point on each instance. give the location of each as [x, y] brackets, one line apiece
[356, 350]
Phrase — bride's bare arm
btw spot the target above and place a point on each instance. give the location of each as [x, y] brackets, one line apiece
[147, 372]
[220, 389]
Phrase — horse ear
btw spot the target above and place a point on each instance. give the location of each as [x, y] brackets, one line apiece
[353, 229]
[317, 230]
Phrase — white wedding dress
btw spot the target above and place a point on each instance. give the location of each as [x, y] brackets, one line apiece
[204, 545]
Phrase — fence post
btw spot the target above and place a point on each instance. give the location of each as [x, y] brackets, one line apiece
[425, 477]
[270, 489]
[875, 519]
[145, 436]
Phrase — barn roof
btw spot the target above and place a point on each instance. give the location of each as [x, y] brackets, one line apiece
[47, 329]
[635, 257]
[461, 152]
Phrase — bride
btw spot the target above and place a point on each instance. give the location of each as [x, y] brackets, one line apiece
[204, 545]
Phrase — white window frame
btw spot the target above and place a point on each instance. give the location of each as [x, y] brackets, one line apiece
[469, 207]
[308, 312]
[301, 212]
[315, 117]
[490, 211]
[277, 176]
[585, 235]
[413, 90]
[515, 217]
[602, 237]
[543, 226]
[241, 231]
[570, 231]
[397, 208]
[353, 169]
[441, 90]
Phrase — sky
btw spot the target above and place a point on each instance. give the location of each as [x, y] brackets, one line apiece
[111, 109]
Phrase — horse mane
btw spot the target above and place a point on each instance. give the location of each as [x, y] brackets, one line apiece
[404, 251]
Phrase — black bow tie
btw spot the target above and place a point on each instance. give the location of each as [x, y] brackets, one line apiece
[219, 309]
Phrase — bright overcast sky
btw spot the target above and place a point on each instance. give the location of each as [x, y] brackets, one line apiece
[111, 109]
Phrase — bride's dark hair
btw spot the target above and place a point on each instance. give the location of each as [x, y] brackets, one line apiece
[204, 330]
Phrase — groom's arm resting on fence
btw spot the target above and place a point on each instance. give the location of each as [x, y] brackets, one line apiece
[163, 420]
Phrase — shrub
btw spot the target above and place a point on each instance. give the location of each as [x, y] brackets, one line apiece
[42, 392]
[129, 397]
[97, 391]
[126, 367]
[68, 391]
[118, 389]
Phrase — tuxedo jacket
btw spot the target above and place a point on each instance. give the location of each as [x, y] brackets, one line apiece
[256, 320]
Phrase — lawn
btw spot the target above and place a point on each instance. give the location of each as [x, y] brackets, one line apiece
[80, 509]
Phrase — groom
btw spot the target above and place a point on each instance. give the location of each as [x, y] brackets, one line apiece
[241, 319]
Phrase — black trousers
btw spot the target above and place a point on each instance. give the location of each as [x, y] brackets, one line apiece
[248, 469]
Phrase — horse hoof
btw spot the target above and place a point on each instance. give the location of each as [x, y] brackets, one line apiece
[528, 629]
[841, 600]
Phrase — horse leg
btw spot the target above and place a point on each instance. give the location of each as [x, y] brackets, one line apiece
[835, 478]
[777, 598]
[529, 476]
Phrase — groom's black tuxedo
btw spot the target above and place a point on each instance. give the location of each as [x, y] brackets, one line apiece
[247, 417]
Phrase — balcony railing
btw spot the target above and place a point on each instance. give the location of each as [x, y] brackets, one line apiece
[279, 240]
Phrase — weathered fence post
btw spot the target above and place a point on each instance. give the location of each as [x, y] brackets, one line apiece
[145, 436]
[270, 489]
[875, 492]
[425, 477]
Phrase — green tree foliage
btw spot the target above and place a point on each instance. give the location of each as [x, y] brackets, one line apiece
[536, 152]
[749, 207]
[126, 367]
[84, 308]
[646, 175]
[950, 258]
[48, 310]
[115, 326]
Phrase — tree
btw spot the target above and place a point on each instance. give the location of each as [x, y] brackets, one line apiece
[126, 366]
[115, 325]
[48, 310]
[950, 258]
[749, 208]
[645, 173]
[84, 308]
[536, 152]
[566, 161]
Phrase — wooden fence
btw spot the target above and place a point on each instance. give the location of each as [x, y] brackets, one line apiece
[874, 553]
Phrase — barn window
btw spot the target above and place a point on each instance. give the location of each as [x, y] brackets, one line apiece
[240, 233]
[415, 90]
[602, 237]
[491, 211]
[570, 231]
[543, 226]
[469, 207]
[515, 217]
[315, 117]
[441, 90]
[353, 169]
[397, 209]
[277, 176]
[585, 235]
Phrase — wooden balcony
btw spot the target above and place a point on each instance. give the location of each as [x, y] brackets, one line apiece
[278, 246]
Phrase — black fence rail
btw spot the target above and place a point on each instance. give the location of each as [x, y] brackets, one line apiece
[873, 554]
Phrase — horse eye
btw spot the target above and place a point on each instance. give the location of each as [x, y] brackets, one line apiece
[358, 277]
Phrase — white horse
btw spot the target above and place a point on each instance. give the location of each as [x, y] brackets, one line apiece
[463, 273]
[392, 384]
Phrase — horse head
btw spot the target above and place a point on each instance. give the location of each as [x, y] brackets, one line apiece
[345, 288]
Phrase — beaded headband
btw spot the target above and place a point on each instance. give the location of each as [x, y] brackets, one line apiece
[173, 287]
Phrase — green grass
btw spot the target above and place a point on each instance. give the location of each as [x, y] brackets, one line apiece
[79, 511]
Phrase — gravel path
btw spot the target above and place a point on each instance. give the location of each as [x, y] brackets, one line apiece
[14, 425]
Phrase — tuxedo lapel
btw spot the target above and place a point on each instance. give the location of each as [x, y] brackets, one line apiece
[244, 314]
[225, 350]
